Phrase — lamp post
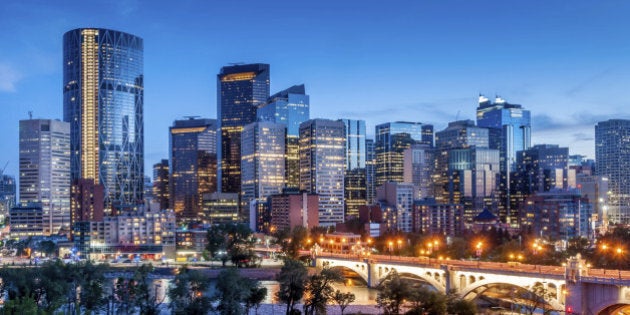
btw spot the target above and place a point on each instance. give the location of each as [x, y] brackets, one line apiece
[391, 248]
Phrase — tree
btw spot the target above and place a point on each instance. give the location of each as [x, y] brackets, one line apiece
[425, 301]
[232, 290]
[343, 299]
[236, 240]
[291, 241]
[256, 296]
[142, 297]
[47, 247]
[292, 279]
[459, 306]
[319, 291]
[186, 293]
[21, 305]
[392, 292]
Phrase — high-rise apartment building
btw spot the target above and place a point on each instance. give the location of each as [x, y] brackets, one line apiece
[290, 107]
[241, 88]
[322, 166]
[510, 132]
[355, 185]
[193, 170]
[612, 156]
[391, 141]
[262, 165]
[161, 186]
[103, 96]
[45, 171]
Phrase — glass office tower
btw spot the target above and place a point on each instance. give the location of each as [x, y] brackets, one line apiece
[291, 108]
[510, 132]
[240, 89]
[103, 95]
[45, 170]
[355, 178]
[612, 156]
[193, 169]
[391, 141]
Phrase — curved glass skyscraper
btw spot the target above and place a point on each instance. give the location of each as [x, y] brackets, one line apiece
[103, 96]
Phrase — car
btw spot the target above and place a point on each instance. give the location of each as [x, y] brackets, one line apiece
[126, 261]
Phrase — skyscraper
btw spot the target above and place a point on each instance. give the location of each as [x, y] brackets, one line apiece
[510, 132]
[45, 170]
[193, 170]
[467, 169]
[612, 156]
[391, 141]
[262, 166]
[103, 96]
[241, 88]
[161, 186]
[322, 166]
[419, 164]
[355, 173]
[289, 107]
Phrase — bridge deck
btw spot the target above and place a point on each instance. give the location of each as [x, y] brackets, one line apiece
[594, 275]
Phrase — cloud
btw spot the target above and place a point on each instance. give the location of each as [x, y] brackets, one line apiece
[9, 77]
[439, 111]
[588, 82]
[583, 136]
[127, 7]
[544, 122]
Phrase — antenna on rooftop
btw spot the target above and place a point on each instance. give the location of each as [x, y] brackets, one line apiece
[30, 115]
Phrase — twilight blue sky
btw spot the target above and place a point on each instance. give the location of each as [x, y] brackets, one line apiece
[566, 61]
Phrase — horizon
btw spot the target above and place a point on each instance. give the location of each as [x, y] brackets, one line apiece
[549, 58]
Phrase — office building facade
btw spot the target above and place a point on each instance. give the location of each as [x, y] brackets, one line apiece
[391, 141]
[161, 186]
[193, 165]
[612, 153]
[322, 166]
[262, 165]
[45, 171]
[355, 185]
[290, 107]
[241, 89]
[103, 96]
[510, 132]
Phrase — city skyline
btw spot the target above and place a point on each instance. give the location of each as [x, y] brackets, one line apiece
[417, 61]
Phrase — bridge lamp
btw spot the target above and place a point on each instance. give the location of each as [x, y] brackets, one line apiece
[604, 247]
[511, 256]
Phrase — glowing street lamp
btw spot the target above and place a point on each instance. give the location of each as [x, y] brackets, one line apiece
[479, 248]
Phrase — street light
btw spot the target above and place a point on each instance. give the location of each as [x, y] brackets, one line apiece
[479, 248]
[391, 248]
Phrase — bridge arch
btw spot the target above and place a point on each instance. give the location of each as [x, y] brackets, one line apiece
[611, 306]
[487, 283]
[360, 269]
[433, 278]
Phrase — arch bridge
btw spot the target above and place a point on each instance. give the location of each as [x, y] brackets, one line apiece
[573, 289]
